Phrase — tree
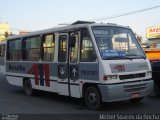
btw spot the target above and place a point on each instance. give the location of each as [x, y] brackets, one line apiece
[139, 37]
[6, 34]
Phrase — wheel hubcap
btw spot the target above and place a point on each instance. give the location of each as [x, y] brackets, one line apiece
[92, 98]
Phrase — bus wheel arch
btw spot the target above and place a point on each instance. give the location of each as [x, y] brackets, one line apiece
[27, 87]
[92, 96]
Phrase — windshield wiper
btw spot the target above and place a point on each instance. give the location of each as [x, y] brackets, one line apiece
[134, 55]
[129, 56]
[117, 57]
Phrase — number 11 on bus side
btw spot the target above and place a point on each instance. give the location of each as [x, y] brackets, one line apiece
[97, 62]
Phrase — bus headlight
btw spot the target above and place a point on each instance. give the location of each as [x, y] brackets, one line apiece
[110, 77]
[149, 73]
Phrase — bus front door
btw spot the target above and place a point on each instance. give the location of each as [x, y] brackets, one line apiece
[68, 58]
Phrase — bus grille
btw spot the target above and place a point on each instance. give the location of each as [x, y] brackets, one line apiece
[131, 76]
[134, 88]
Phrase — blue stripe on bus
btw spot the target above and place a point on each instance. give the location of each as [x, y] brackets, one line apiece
[41, 74]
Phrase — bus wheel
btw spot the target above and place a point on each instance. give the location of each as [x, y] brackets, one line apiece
[136, 100]
[28, 88]
[92, 98]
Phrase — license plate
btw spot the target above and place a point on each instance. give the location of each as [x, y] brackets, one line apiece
[135, 95]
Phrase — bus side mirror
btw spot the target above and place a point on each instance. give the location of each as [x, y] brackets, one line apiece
[72, 41]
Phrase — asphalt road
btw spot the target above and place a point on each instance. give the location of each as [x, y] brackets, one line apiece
[14, 101]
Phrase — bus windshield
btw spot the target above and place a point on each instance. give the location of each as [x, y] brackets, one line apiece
[117, 43]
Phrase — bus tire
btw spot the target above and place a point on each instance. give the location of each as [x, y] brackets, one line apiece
[28, 88]
[92, 98]
[136, 100]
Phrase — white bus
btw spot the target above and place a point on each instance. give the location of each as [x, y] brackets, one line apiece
[97, 62]
[2, 58]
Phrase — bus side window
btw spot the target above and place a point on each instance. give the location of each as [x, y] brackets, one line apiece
[87, 53]
[48, 47]
[32, 48]
[62, 51]
[14, 50]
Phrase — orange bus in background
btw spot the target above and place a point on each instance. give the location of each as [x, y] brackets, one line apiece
[153, 36]
[153, 54]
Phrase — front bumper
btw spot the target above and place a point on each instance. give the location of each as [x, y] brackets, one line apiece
[124, 90]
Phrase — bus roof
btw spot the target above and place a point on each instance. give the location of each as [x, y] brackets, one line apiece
[75, 25]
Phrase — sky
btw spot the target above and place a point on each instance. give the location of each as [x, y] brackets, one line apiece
[33, 15]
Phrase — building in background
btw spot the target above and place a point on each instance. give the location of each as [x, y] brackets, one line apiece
[4, 30]
[153, 49]
[153, 36]
[23, 32]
